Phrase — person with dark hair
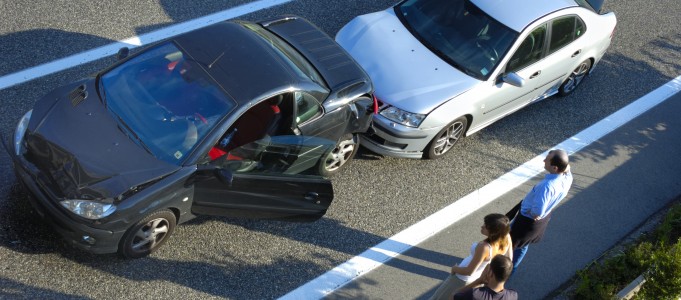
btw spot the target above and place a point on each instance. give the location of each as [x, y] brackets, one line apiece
[492, 280]
[532, 215]
[496, 228]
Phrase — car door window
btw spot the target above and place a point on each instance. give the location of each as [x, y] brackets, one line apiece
[307, 107]
[284, 155]
[564, 31]
[274, 177]
[530, 50]
[580, 28]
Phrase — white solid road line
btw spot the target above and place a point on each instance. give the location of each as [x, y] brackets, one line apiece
[417, 233]
[133, 42]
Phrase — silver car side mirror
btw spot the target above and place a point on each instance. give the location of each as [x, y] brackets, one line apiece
[513, 79]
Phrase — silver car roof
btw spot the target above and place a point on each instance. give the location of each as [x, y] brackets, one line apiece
[517, 14]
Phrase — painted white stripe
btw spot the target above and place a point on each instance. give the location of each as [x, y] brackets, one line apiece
[417, 233]
[133, 42]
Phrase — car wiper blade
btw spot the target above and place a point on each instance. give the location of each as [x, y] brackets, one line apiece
[131, 133]
[468, 72]
[457, 65]
[461, 68]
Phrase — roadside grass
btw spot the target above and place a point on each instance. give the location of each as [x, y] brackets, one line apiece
[656, 255]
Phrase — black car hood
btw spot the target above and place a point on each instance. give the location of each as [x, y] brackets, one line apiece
[79, 150]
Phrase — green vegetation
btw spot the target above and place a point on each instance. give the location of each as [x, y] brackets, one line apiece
[657, 256]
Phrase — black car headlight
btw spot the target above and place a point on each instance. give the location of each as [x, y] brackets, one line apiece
[403, 117]
[88, 209]
[21, 131]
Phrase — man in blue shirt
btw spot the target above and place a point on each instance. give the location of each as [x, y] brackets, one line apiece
[529, 224]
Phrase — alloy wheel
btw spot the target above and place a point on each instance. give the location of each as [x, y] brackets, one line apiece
[150, 235]
[448, 138]
[341, 154]
[576, 77]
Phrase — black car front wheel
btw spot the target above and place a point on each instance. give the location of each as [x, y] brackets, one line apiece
[446, 138]
[148, 234]
[341, 155]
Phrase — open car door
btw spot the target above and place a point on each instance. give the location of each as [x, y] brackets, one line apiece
[275, 177]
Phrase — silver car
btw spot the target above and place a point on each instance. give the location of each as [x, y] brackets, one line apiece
[443, 69]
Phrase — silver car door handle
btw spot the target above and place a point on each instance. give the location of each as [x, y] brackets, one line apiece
[535, 74]
[576, 53]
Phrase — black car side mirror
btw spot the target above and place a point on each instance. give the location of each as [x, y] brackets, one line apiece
[207, 172]
[122, 53]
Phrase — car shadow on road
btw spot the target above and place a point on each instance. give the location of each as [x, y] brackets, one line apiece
[22, 229]
[224, 273]
[21, 51]
[10, 289]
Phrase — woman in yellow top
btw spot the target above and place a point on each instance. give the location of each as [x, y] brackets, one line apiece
[496, 228]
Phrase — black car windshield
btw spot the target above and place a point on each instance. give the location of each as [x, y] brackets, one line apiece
[164, 101]
[459, 32]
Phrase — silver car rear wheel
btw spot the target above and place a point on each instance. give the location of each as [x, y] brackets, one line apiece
[575, 78]
[446, 138]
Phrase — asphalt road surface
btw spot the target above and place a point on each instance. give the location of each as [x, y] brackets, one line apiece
[376, 197]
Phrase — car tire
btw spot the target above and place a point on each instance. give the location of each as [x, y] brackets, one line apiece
[340, 156]
[148, 234]
[446, 138]
[575, 78]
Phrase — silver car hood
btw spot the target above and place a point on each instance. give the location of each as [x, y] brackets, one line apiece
[405, 73]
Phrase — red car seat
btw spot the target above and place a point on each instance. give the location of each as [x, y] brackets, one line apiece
[261, 120]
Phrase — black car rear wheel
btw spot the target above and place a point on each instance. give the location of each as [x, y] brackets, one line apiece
[148, 234]
[341, 155]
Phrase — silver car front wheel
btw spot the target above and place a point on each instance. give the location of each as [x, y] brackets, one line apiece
[446, 138]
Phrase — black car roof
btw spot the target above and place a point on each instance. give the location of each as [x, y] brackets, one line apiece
[237, 59]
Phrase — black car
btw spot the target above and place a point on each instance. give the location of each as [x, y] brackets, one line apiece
[235, 119]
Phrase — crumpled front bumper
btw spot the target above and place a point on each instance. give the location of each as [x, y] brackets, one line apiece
[77, 233]
[392, 139]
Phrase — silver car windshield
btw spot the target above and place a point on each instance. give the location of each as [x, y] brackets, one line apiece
[459, 32]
